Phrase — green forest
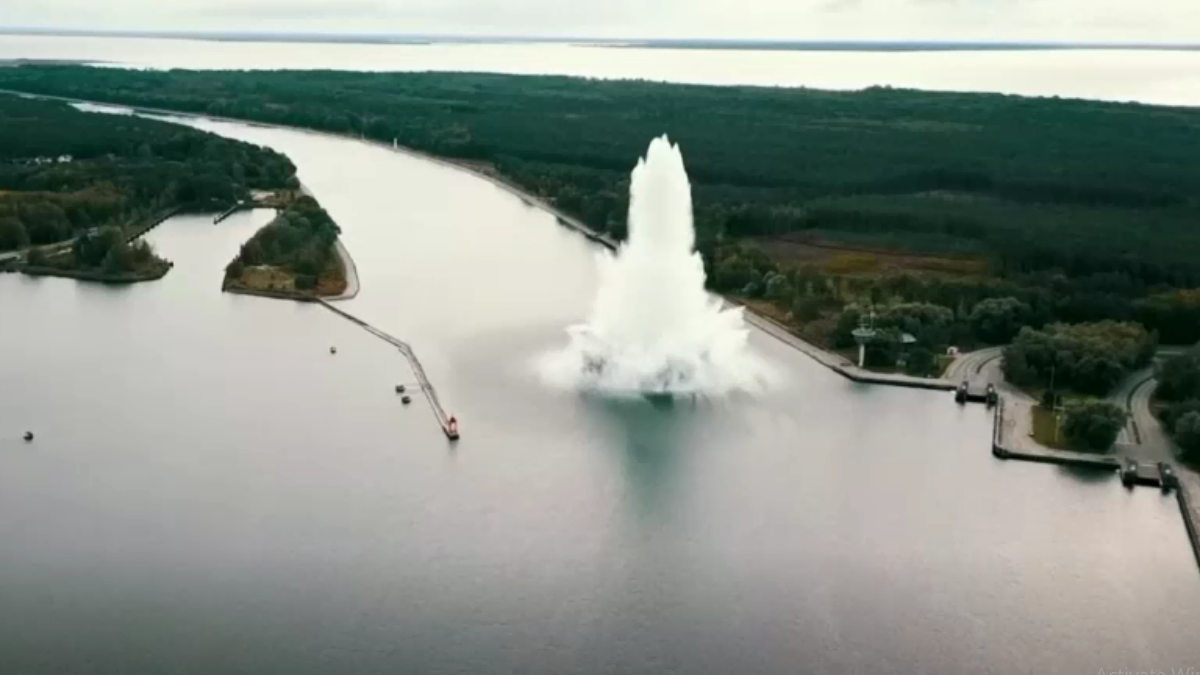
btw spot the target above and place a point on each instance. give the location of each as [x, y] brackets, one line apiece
[1178, 402]
[99, 179]
[293, 253]
[955, 217]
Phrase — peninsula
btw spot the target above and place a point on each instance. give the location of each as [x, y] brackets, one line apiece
[78, 189]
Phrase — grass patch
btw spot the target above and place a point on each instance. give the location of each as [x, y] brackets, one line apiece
[1044, 426]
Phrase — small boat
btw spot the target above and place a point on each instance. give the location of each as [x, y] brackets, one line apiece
[28, 436]
[406, 399]
[399, 389]
[451, 428]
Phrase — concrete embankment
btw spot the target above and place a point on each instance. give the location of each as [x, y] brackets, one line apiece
[835, 362]
[1187, 508]
[1002, 448]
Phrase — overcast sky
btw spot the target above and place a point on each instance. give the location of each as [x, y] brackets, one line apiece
[1065, 20]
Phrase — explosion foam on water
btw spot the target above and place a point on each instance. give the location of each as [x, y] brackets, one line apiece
[653, 327]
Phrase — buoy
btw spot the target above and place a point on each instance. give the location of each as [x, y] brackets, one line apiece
[28, 436]
[406, 399]
[333, 350]
[399, 389]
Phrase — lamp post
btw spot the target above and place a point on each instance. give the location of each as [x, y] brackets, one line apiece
[864, 334]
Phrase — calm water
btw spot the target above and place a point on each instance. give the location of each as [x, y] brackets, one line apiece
[1168, 77]
[211, 491]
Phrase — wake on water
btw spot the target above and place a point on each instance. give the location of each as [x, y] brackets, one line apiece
[653, 328]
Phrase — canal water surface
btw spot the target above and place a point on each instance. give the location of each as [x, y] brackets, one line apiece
[211, 490]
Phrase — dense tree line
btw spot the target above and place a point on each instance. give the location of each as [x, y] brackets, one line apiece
[1179, 390]
[1032, 184]
[1074, 211]
[64, 172]
[826, 299]
[1088, 358]
[300, 241]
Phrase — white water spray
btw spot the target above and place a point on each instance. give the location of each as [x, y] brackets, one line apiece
[653, 327]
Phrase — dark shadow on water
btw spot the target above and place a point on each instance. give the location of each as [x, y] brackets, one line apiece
[651, 432]
[1085, 474]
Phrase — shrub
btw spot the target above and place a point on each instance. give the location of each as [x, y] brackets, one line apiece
[1179, 378]
[997, 320]
[1093, 425]
[1187, 435]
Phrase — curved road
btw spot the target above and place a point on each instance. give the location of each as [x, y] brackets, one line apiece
[1143, 437]
[982, 365]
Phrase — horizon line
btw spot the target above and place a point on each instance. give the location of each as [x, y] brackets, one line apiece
[831, 44]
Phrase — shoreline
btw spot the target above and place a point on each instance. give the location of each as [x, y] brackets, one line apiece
[98, 276]
[767, 325]
[1030, 451]
[825, 358]
[349, 270]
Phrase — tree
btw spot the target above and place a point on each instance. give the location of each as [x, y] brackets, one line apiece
[12, 234]
[778, 288]
[734, 273]
[929, 323]
[37, 257]
[1089, 358]
[1093, 425]
[1175, 315]
[997, 320]
[1179, 378]
[1187, 435]
[920, 361]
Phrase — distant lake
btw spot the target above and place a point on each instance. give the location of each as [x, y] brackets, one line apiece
[1149, 76]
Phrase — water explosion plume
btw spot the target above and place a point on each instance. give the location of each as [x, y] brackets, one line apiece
[653, 327]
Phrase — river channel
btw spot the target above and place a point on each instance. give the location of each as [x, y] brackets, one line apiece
[211, 490]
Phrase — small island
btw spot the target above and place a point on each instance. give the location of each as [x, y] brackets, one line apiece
[294, 256]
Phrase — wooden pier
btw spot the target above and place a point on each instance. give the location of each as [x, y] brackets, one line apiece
[240, 206]
[446, 422]
[154, 222]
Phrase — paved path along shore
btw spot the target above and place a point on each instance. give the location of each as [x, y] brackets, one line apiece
[840, 364]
